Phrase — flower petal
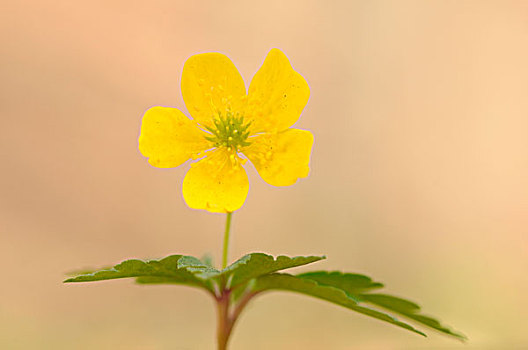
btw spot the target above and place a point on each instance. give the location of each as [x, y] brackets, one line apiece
[277, 95]
[211, 84]
[168, 138]
[281, 158]
[216, 183]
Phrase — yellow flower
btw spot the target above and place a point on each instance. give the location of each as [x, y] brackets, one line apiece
[228, 122]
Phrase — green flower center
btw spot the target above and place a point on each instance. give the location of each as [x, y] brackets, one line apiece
[229, 131]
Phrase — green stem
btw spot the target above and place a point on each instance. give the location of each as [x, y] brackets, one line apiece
[226, 239]
[228, 313]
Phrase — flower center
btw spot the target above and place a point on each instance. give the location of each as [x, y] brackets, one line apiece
[229, 131]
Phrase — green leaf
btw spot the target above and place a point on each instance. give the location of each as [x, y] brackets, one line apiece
[410, 310]
[176, 269]
[257, 264]
[207, 259]
[257, 272]
[200, 269]
[182, 269]
[351, 283]
[281, 281]
[357, 286]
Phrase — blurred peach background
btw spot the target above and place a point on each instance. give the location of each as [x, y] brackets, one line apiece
[419, 171]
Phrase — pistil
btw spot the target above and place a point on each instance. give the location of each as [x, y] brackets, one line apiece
[229, 131]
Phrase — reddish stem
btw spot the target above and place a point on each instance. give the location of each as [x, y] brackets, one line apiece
[227, 320]
[223, 330]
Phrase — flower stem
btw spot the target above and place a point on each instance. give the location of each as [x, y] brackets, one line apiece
[228, 309]
[228, 315]
[226, 240]
[223, 330]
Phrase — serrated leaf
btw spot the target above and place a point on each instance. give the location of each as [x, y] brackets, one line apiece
[391, 302]
[357, 287]
[176, 269]
[197, 267]
[286, 282]
[257, 264]
[189, 261]
[408, 309]
[351, 283]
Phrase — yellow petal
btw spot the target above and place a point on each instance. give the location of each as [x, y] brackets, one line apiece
[216, 183]
[211, 84]
[168, 138]
[281, 158]
[277, 95]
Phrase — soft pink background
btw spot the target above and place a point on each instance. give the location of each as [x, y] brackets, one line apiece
[419, 171]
